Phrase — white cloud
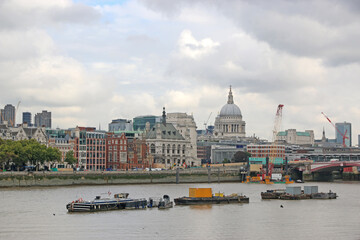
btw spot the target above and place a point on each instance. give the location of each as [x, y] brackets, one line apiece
[192, 48]
[90, 64]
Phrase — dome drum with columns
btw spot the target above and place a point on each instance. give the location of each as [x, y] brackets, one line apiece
[229, 123]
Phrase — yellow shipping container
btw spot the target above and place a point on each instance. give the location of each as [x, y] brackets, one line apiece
[219, 194]
[200, 192]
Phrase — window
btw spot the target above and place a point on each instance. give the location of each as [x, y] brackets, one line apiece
[152, 148]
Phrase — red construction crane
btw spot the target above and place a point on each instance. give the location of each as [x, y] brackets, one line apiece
[343, 135]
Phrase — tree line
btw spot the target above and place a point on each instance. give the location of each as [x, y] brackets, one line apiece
[18, 154]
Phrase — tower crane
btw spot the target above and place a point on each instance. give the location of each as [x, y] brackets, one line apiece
[343, 135]
[273, 151]
[205, 123]
[16, 110]
[277, 122]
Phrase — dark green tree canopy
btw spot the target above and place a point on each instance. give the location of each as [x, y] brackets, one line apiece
[69, 157]
[30, 151]
[241, 156]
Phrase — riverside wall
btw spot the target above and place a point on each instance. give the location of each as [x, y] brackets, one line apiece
[48, 179]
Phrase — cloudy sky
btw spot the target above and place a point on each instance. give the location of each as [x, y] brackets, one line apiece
[89, 61]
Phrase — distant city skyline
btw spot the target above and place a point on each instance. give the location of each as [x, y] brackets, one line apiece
[89, 62]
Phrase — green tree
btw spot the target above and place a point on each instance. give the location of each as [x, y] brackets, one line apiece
[6, 152]
[241, 156]
[69, 157]
[53, 155]
[226, 160]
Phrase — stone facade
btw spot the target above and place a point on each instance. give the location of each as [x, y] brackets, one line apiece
[291, 136]
[186, 126]
[167, 146]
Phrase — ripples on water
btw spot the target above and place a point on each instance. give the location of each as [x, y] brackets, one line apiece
[28, 214]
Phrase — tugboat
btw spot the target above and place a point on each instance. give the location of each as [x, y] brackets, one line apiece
[120, 201]
[165, 202]
[205, 196]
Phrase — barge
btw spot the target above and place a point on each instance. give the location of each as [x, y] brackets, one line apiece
[295, 193]
[204, 196]
[120, 201]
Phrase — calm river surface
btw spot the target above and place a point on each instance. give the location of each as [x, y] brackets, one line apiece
[28, 213]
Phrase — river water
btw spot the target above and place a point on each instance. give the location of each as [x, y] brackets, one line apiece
[40, 213]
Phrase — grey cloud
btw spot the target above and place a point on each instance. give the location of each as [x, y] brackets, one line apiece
[15, 16]
[328, 30]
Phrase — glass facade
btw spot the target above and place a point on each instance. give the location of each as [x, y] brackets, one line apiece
[344, 127]
[140, 122]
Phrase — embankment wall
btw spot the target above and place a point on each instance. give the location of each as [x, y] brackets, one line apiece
[47, 179]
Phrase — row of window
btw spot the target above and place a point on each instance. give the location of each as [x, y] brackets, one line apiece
[97, 161]
[98, 142]
[115, 148]
[95, 135]
[116, 141]
[98, 148]
[93, 155]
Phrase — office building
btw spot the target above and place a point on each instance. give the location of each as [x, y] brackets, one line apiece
[120, 125]
[291, 136]
[345, 129]
[43, 119]
[8, 114]
[26, 118]
[140, 122]
[90, 148]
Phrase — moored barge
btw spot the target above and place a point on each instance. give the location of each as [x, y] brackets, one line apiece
[204, 196]
[295, 193]
[120, 201]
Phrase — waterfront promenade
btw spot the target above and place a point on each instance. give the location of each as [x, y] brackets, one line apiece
[46, 179]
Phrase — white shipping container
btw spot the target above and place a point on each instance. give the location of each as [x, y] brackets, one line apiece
[276, 176]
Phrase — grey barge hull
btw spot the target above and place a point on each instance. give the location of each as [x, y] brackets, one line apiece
[94, 206]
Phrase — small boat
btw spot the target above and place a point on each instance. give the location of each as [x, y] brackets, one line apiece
[165, 202]
[153, 202]
[204, 196]
[120, 201]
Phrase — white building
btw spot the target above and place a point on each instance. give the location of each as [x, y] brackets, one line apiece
[167, 146]
[186, 126]
[291, 136]
[229, 123]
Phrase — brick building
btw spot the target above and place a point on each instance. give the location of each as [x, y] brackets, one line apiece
[276, 153]
[90, 148]
[116, 151]
[125, 152]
